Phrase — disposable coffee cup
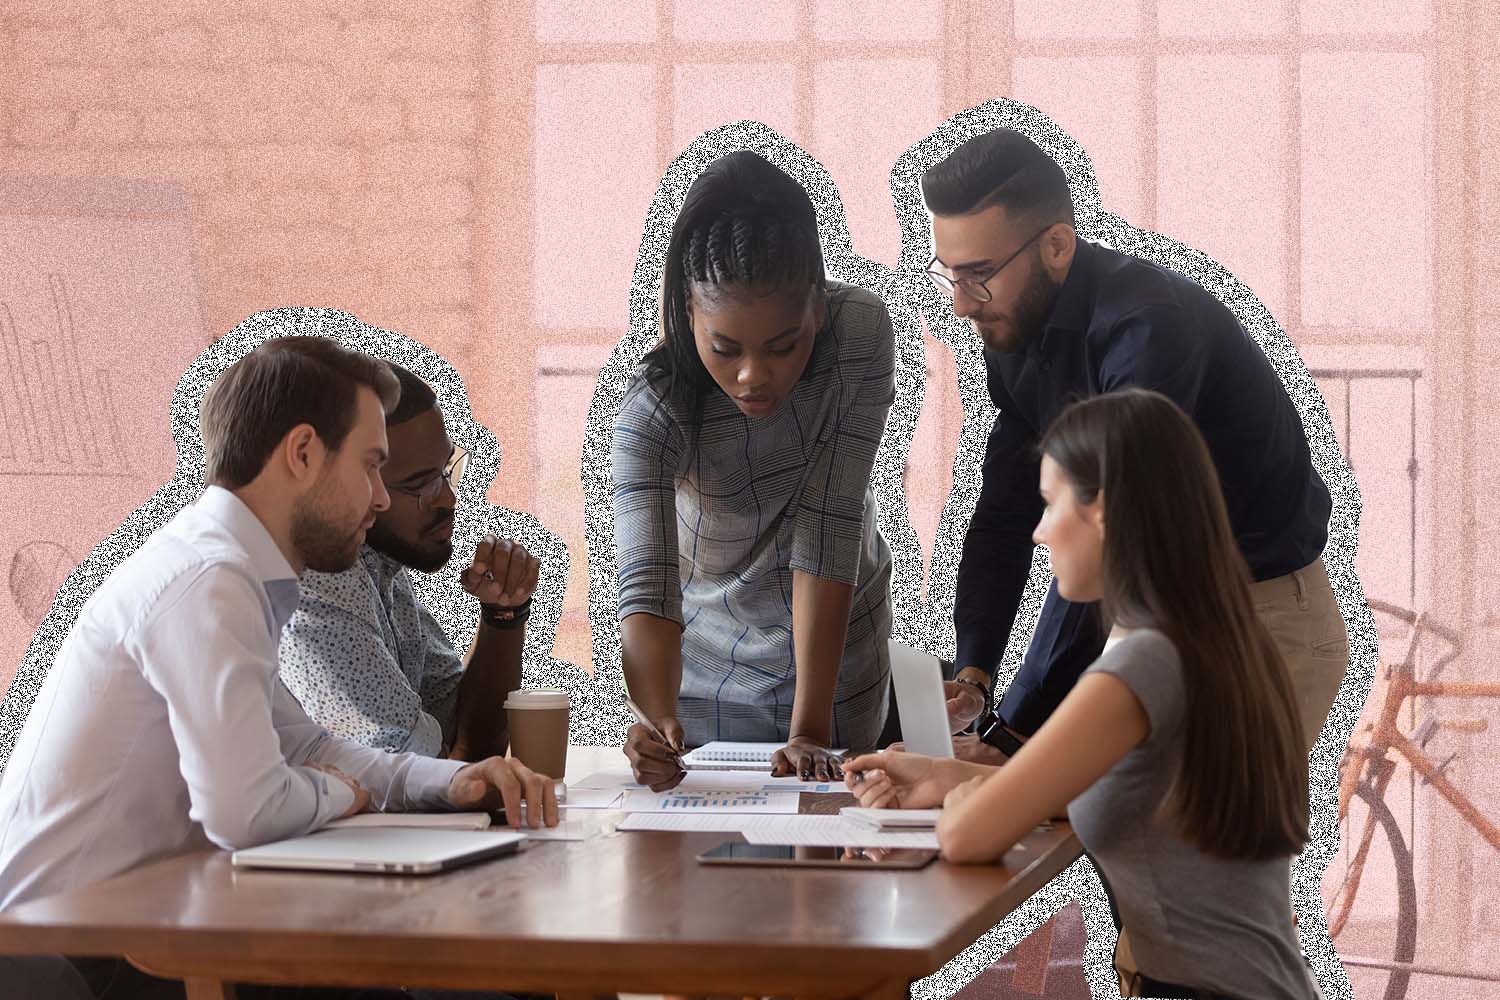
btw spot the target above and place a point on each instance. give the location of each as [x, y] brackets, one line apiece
[538, 722]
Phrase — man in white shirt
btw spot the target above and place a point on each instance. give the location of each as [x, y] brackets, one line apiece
[162, 724]
[363, 656]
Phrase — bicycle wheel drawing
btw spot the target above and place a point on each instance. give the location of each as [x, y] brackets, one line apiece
[36, 571]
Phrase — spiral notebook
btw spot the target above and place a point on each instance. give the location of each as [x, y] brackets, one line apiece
[722, 755]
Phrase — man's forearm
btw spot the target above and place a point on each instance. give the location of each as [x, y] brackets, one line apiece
[492, 670]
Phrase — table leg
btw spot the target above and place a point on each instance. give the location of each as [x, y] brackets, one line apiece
[209, 989]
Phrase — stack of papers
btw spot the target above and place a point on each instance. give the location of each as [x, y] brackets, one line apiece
[893, 819]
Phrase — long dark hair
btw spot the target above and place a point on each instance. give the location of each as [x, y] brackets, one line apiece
[746, 225]
[1170, 562]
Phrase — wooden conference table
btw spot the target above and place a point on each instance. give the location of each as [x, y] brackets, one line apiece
[627, 912]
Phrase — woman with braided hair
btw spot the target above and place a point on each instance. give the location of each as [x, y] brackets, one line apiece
[754, 586]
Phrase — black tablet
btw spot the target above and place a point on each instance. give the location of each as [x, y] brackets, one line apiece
[733, 852]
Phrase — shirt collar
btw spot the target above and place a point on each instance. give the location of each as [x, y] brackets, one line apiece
[1074, 307]
[275, 574]
[381, 567]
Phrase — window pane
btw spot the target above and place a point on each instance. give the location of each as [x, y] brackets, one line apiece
[576, 22]
[1365, 16]
[1366, 180]
[1222, 180]
[564, 391]
[1096, 100]
[710, 94]
[1077, 18]
[736, 20]
[1230, 20]
[590, 207]
[1380, 450]
[873, 20]
[859, 138]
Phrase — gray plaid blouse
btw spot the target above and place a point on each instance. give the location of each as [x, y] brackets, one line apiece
[710, 537]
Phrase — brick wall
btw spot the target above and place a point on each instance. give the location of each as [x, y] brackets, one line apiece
[329, 148]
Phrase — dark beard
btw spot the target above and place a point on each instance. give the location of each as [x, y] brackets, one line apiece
[1036, 300]
[1032, 308]
[319, 543]
[423, 557]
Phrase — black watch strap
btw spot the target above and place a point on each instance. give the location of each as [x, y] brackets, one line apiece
[993, 732]
[505, 618]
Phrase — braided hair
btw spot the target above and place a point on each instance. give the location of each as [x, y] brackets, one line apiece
[745, 227]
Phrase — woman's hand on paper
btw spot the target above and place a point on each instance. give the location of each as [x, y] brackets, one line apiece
[656, 765]
[898, 780]
[808, 760]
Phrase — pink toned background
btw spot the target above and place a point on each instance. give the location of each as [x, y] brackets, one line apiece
[477, 176]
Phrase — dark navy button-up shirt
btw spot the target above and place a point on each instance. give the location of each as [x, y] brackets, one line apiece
[1120, 321]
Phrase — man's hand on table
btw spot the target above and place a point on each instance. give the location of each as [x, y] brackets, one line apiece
[497, 782]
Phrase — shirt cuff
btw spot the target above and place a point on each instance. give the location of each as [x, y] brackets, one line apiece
[337, 797]
[978, 651]
[427, 783]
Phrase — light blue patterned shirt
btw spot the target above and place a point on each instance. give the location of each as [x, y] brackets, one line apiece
[368, 662]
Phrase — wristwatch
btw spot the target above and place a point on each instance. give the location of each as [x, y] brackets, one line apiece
[991, 729]
[495, 616]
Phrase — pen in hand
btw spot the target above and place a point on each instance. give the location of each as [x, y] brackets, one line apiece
[656, 734]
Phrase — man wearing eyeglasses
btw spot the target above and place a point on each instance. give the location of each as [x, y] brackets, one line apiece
[366, 659]
[1062, 318]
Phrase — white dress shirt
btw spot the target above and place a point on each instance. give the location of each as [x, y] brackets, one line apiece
[163, 722]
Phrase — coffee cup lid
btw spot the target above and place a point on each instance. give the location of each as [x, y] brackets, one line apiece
[534, 698]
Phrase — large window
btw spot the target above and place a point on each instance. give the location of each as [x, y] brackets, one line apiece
[1225, 126]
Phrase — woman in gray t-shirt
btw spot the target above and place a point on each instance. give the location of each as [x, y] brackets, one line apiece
[754, 586]
[1178, 754]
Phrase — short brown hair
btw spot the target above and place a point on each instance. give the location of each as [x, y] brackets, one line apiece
[285, 382]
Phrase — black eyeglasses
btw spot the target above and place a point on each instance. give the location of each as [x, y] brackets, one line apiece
[976, 288]
[428, 489]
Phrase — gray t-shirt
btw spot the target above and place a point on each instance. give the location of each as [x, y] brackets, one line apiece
[1192, 918]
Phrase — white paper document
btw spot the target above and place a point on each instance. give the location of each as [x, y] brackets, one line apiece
[591, 798]
[686, 822]
[807, 831]
[831, 831]
[567, 829]
[620, 779]
[711, 802]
